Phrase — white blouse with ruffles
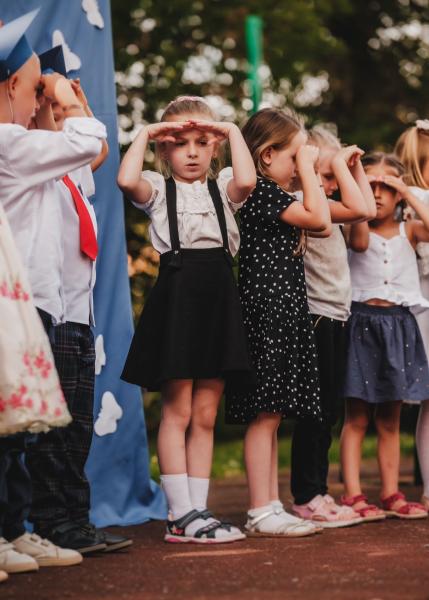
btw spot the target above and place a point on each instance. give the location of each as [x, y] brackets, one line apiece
[387, 270]
[196, 215]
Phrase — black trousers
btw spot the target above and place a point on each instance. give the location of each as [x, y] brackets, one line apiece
[56, 462]
[15, 486]
[311, 440]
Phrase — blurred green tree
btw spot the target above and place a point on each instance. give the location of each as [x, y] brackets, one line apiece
[360, 65]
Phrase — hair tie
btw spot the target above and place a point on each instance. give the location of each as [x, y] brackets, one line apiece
[422, 124]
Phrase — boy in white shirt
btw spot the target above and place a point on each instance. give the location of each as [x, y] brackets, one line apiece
[30, 163]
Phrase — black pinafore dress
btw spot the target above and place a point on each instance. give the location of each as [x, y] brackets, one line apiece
[192, 324]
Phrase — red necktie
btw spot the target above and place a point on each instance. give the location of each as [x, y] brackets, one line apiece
[88, 240]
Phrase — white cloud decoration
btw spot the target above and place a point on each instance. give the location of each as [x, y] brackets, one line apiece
[109, 415]
[100, 355]
[93, 13]
[72, 60]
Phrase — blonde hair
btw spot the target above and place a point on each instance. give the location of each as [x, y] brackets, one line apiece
[182, 105]
[412, 149]
[322, 137]
[272, 128]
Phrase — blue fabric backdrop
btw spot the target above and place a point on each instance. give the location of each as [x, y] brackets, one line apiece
[122, 492]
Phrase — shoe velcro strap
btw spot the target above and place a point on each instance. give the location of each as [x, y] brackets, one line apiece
[206, 514]
[184, 521]
[64, 527]
[208, 531]
[259, 518]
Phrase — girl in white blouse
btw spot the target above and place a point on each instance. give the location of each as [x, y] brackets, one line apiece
[386, 360]
[190, 341]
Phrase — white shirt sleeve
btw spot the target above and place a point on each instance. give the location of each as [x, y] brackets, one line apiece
[36, 156]
[157, 183]
[223, 179]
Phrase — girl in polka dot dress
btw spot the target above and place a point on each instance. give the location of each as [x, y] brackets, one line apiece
[276, 315]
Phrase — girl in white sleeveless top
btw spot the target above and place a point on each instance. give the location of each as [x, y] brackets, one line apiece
[413, 150]
[386, 361]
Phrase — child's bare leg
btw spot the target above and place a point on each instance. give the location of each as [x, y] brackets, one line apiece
[387, 421]
[175, 419]
[206, 396]
[258, 450]
[274, 483]
[352, 435]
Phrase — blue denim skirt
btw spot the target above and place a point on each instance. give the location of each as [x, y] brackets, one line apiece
[385, 356]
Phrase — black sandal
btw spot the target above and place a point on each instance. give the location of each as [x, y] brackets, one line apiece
[204, 535]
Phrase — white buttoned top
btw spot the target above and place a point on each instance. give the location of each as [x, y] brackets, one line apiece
[31, 162]
[387, 270]
[78, 273]
[196, 215]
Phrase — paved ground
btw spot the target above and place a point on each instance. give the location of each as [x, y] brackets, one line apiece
[383, 561]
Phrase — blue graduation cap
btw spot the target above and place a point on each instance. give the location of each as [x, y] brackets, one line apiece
[53, 61]
[14, 47]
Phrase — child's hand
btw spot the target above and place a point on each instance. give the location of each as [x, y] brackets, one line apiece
[220, 130]
[49, 83]
[307, 155]
[75, 83]
[349, 154]
[397, 184]
[163, 132]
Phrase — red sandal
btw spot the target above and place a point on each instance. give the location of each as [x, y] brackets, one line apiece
[365, 511]
[405, 511]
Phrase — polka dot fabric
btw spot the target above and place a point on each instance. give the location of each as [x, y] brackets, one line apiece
[276, 315]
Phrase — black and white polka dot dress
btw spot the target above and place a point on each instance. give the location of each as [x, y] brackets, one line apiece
[276, 315]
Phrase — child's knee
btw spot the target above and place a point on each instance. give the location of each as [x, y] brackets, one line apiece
[178, 416]
[357, 423]
[204, 416]
[387, 425]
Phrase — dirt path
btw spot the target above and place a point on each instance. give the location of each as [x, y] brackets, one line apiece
[383, 561]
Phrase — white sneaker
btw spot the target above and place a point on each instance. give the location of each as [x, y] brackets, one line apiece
[12, 561]
[3, 576]
[45, 553]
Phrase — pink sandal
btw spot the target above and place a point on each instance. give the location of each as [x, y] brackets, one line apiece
[405, 511]
[365, 511]
[322, 512]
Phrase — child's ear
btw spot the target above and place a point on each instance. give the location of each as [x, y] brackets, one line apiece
[267, 155]
[12, 85]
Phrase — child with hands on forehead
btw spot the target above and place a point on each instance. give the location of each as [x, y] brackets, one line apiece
[190, 341]
[386, 362]
[278, 323]
[328, 287]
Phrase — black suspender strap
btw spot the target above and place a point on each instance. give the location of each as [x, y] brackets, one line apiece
[171, 195]
[218, 204]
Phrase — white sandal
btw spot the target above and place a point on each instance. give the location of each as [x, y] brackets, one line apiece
[292, 519]
[285, 529]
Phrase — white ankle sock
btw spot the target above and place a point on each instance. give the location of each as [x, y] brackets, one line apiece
[198, 492]
[422, 440]
[179, 502]
[177, 492]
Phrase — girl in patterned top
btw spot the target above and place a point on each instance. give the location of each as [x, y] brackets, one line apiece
[272, 290]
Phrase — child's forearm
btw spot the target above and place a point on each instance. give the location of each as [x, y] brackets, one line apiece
[363, 183]
[314, 198]
[129, 175]
[359, 237]
[351, 195]
[45, 118]
[244, 173]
